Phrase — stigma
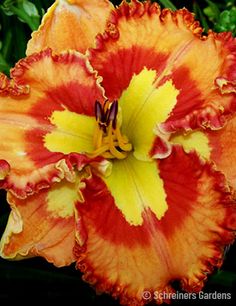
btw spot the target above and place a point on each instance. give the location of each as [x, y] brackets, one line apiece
[108, 140]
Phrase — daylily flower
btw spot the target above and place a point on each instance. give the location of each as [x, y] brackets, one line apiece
[110, 158]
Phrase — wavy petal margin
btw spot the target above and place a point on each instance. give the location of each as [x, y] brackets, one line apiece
[44, 224]
[35, 230]
[142, 35]
[70, 24]
[222, 144]
[216, 146]
[185, 245]
[60, 86]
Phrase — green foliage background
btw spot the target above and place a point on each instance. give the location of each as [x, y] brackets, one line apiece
[35, 279]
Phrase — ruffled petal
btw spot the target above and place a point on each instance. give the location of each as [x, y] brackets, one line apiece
[44, 224]
[70, 24]
[140, 35]
[44, 124]
[222, 144]
[217, 146]
[185, 244]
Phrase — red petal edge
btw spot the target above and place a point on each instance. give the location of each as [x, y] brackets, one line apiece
[63, 169]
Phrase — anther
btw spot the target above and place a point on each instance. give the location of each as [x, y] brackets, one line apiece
[113, 114]
[98, 111]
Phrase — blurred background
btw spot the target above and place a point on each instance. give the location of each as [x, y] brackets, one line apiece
[35, 279]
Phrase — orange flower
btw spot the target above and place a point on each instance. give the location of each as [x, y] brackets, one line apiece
[110, 158]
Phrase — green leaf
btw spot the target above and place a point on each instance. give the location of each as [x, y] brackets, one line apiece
[224, 278]
[6, 43]
[199, 14]
[214, 8]
[168, 4]
[20, 41]
[233, 15]
[227, 21]
[25, 10]
[30, 9]
[209, 13]
[6, 7]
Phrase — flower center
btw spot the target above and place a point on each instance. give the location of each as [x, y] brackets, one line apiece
[108, 140]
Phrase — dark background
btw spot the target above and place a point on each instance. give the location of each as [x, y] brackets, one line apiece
[32, 280]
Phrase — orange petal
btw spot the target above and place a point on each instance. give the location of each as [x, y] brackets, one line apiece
[43, 225]
[140, 35]
[56, 84]
[185, 245]
[70, 24]
[217, 146]
[4, 169]
[222, 144]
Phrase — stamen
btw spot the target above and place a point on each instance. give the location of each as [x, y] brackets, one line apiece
[108, 140]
